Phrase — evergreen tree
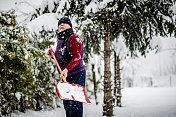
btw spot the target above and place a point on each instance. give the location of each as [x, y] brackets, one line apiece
[45, 78]
[138, 21]
[45, 73]
[94, 77]
[16, 66]
[27, 76]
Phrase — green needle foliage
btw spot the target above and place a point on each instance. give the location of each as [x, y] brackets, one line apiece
[26, 78]
[16, 65]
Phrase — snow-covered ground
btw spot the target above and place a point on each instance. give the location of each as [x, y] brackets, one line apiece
[136, 102]
[148, 102]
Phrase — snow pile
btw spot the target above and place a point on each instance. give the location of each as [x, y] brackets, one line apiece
[71, 92]
[48, 21]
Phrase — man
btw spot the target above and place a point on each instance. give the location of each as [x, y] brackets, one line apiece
[69, 54]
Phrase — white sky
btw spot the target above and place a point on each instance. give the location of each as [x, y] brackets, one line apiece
[8, 4]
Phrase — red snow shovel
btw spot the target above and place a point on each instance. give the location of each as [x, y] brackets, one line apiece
[67, 91]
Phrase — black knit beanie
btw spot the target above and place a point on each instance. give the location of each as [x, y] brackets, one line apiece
[65, 20]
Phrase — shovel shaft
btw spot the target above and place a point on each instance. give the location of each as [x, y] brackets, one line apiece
[58, 66]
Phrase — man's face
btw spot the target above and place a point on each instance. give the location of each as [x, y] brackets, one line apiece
[63, 26]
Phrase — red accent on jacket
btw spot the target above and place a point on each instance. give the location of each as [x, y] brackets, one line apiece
[76, 48]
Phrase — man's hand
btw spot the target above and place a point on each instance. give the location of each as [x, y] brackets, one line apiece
[64, 73]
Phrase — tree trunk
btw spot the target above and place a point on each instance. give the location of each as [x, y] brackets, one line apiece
[108, 99]
[117, 81]
[95, 84]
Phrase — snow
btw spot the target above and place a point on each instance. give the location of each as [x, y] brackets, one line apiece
[17, 94]
[6, 4]
[78, 40]
[136, 102]
[67, 91]
[157, 67]
[48, 21]
[148, 102]
[120, 47]
[94, 6]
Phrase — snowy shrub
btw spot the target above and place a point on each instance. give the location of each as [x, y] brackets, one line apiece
[16, 66]
[25, 78]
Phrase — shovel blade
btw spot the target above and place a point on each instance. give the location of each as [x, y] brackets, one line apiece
[67, 91]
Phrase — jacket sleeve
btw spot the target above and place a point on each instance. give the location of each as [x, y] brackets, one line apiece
[76, 48]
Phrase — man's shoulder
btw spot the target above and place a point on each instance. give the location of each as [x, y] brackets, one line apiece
[75, 37]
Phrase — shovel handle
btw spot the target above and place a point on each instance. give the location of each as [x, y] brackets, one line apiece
[58, 66]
